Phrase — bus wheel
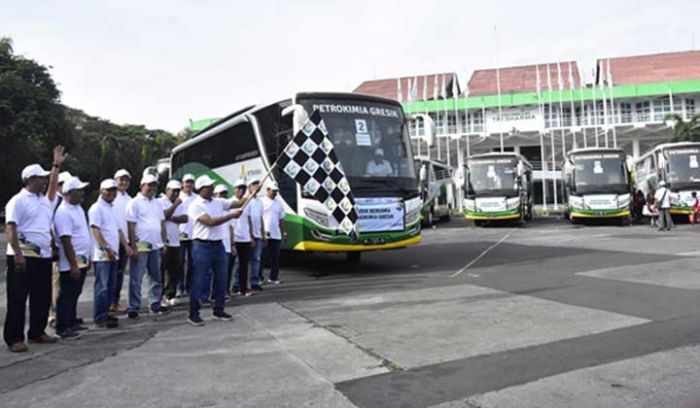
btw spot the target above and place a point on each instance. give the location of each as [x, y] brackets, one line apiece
[430, 219]
[447, 217]
[626, 221]
[353, 258]
[479, 223]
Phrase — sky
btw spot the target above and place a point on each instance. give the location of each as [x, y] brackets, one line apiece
[161, 63]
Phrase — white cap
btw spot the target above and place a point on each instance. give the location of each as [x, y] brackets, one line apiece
[64, 176]
[187, 177]
[148, 179]
[173, 185]
[122, 173]
[73, 183]
[662, 183]
[273, 186]
[220, 188]
[203, 181]
[239, 183]
[107, 184]
[254, 180]
[34, 170]
[379, 151]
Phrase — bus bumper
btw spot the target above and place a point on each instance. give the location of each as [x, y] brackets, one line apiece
[317, 246]
[600, 214]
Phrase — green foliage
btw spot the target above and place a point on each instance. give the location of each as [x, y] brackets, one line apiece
[685, 131]
[32, 121]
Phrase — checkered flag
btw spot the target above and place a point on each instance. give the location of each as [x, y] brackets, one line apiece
[310, 160]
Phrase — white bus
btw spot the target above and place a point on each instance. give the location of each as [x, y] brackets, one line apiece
[499, 187]
[368, 132]
[437, 189]
[678, 164]
[597, 184]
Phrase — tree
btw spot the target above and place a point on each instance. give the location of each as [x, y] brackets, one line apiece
[685, 131]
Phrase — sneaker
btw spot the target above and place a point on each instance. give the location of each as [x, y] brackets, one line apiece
[249, 294]
[79, 327]
[222, 316]
[117, 308]
[160, 311]
[195, 321]
[275, 282]
[236, 289]
[256, 287]
[68, 334]
[109, 324]
[173, 302]
[133, 315]
[112, 318]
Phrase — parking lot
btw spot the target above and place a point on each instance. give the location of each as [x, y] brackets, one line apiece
[544, 315]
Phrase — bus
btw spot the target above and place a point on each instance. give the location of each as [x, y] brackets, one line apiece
[499, 187]
[678, 164]
[437, 189]
[364, 129]
[597, 184]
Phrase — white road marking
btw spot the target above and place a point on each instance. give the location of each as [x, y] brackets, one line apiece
[483, 253]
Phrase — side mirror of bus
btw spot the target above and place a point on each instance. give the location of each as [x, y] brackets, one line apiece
[428, 128]
[299, 116]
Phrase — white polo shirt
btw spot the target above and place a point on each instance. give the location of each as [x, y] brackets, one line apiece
[273, 212]
[102, 215]
[228, 235]
[70, 221]
[32, 214]
[119, 206]
[256, 215]
[147, 213]
[241, 232]
[172, 228]
[186, 228]
[215, 207]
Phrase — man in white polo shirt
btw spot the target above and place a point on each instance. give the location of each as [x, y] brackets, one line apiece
[221, 191]
[123, 179]
[175, 216]
[28, 227]
[211, 217]
[187, 195]
[259, 238]
[146, 220]
[273, 217]
[62, 178]
[75, 250]
[108, 239]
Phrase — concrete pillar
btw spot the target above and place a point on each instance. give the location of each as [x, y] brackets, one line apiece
[635, 148]
[516, 149]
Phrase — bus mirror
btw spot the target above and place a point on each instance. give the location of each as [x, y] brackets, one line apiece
[428, 128]
[299, 116]
[423, 174]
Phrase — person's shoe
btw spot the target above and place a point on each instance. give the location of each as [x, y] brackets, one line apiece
[195, 321]
[160, 311]
[117, 308]
[79, 321]
[235, 289]
[274, 282]
[18, 347]
[133, 315]
[79, 327]
[112, 318]
[68, 334]
[173, 302]
[256, 287]
[43, 339]
[107, 324]
[205, 301]
[222, 316]
[249, 294]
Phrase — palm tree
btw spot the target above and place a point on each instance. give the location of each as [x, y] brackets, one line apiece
[685, 131]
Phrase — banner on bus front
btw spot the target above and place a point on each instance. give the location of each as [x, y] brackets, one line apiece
[380, 214]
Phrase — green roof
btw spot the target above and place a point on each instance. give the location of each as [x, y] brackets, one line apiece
[199, 124]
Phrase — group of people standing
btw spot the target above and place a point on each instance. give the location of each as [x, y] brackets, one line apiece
[194, 240]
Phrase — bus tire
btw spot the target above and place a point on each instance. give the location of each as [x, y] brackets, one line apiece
[353, 258]
[447, 217]
[430, 219]
[626, 221]
[479, 223]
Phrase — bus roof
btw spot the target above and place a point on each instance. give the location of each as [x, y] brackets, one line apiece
[594, 150]
[666, 146]
[500, 154]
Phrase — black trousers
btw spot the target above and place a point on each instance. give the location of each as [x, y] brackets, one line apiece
[243, 251]
[273, 254]
[185, 283]
[229, 269]
[34, 282]
[67, 303]
[172, 271]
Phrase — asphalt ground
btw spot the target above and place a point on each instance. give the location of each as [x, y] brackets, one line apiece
[542, 315]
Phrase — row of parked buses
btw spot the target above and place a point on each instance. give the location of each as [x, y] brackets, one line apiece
[371, 133]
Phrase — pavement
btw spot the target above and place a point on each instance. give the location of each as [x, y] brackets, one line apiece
[542, 315]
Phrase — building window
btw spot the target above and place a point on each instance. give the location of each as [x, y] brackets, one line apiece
[626, 112]
[643, 110]
[689, 108]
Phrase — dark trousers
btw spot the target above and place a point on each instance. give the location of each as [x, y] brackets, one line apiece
[243, 250]
[208, 256]
[172, 271]
[67, 303]
[34, 282]
[273, 254]
[229, 269]
[185, 283]
[121, 268]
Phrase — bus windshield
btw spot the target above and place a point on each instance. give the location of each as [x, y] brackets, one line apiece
[492, 177]
[600, 173]
[683, 167]
[371, 142]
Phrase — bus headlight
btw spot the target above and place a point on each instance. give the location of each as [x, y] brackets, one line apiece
[576, 201]
[623, 200]
[317, 217]
[469, 205]
[412, 216]
[512, 203]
